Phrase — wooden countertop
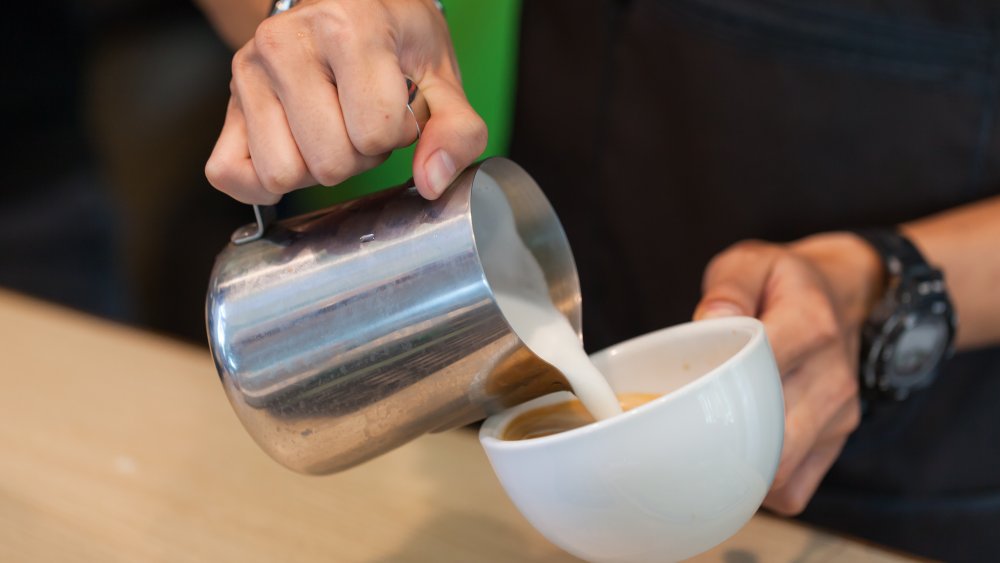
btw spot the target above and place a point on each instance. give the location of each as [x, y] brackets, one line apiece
[118, 445]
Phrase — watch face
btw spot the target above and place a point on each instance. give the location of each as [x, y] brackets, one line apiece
[920, 347]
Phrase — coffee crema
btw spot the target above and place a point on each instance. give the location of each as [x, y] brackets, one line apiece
[560, 417]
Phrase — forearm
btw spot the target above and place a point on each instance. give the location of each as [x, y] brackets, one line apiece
[235, 20]
[965, 243]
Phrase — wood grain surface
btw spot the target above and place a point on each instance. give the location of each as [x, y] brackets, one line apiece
[118, 445]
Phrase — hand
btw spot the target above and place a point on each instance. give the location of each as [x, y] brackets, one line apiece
[319, 95]
[813, 296]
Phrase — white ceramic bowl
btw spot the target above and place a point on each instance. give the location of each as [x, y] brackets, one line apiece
[671, 478]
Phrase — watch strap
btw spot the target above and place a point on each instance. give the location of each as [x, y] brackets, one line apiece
[913, 288]
[900, 257]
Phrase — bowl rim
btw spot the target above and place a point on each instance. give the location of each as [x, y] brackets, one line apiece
[491, 428]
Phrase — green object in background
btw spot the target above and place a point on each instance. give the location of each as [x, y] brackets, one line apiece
[485, 34]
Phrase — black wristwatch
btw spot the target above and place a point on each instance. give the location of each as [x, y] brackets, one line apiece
[911, 330]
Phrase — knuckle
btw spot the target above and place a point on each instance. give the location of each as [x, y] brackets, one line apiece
[798, 501]
[243, 59]
[268, 39]
[752, 247]
[788, 503]
[791, 457]
[852, 419]
[823, 323]
[332, 23]
[280, 180]
[781, 477]
[716, 265]
[476, 134]
[719, 261]
[849, 388]
[749, 249]
[843, 405]
[375, 136]
[328, 171]
[218, 173]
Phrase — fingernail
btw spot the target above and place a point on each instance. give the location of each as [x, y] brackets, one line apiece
[719, 309]
[440, 172]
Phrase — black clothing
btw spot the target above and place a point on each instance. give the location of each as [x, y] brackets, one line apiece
[79, 133]
[665, 130]
[57, 223]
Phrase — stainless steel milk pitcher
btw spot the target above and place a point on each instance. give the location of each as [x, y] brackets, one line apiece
[341, 334]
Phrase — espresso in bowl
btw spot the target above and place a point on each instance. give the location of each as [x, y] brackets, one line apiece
[560, 417]
[666, 479]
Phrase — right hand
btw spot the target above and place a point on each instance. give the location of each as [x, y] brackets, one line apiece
[319, 95]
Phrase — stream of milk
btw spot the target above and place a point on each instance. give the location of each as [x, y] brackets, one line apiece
[522, 294]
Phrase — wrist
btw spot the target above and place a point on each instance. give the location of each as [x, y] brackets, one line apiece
[852, 268]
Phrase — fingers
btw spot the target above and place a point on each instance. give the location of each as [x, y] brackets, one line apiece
[734, 281]
[372, 91]
[821, 403]
[792, 497]
[317, 122]
[453, 138]
[256, 158]
[229, 168]
[273, 149]
[798, 313]
[759, 279]
[792, 489]
[799, 328]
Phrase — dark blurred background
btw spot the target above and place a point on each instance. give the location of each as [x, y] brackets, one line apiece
[111, 109]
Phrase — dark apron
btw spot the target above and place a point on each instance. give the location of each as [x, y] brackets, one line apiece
[664, 131]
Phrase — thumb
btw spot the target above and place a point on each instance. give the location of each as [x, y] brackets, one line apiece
[734, 281]
[452, 139]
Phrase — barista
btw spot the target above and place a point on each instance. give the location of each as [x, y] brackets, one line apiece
[667, 132]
